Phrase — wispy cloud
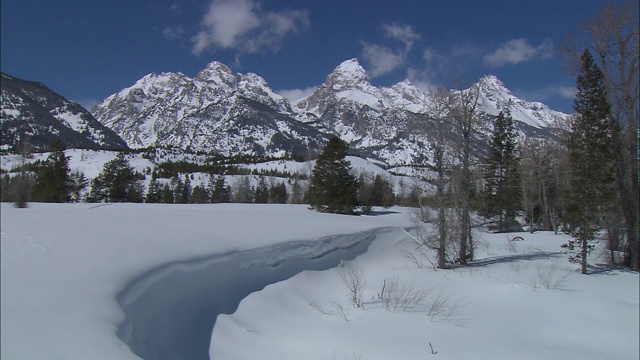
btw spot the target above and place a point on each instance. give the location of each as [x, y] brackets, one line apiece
[296, 94]
[546, 92]
[383, 59]
[517, 51]
[242, 25]
[402, 33]
[421, 78]
[173, 32]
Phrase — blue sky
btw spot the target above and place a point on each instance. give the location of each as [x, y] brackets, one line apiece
[87, 50]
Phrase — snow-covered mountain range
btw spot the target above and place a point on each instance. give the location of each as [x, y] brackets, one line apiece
[31, 109]
[229, 113]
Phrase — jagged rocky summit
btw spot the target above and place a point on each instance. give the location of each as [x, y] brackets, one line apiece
[218, 110]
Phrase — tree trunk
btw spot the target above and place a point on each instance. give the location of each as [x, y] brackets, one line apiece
[584, 256]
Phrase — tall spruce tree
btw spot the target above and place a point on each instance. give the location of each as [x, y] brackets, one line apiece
[333, 189]
[262, 192]
[53, 179]
[116, 183]
[220, 192]
[502, 193]
[154, 193]
[591, 160]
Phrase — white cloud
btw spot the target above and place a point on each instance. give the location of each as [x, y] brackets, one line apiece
[175, 8]
[296, 94]
[381, 59]
[546, 92]
[402, 33]
[422, 79]
[517, 51]
[173, 32]
[242, 25]
[567, 92]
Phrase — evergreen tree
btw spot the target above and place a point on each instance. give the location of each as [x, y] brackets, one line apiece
[167, 194]
[220, 192]
[186, 190]
[590, 155]
[53, 179]
[333, 188]
[178, 189]
[364, 193]
[116, 183]
[199, 195]
[80, 182]
[278, 193]
[154, 193]
[502, 196]
[262, 192]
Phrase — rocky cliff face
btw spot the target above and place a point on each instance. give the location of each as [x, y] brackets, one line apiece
[31, 110]
[214, 111]
[229, 113]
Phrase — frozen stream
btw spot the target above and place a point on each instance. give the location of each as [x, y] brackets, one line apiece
[171, 310]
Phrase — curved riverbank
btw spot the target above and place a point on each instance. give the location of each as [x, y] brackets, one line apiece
[171, 310]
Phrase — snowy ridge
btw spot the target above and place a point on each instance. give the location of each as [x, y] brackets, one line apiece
[215, 110]
[495, 97]
[31, 109]
[229, 113]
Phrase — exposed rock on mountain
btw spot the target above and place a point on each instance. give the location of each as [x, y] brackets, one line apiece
[229, 113]
[214, 111]
[30, 109]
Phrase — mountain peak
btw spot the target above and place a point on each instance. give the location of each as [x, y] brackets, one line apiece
[493, 84]
[216, 72]
[348, 74]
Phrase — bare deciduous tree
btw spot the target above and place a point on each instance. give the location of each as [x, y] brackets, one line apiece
[464, 112]
[352, 277]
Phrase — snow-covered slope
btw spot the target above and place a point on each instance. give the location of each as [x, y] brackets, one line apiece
[30, 109]
[216, 111]
[64, 265]
[495, 97]
[229, 113]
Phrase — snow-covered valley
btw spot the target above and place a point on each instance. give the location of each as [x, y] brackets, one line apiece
[68, 268]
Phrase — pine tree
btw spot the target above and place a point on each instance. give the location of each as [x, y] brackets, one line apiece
[178, 189]
[333, 188]
[116, 183]
[199, 195]
[186, 190]
[154, 193]
[278, 193]
[220, 192]
[591, 160]
[80, 182]
[502, 194]
[53, 179]
[262, 192]
[167, 194]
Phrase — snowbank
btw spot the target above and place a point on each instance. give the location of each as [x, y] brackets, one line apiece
[63, 265]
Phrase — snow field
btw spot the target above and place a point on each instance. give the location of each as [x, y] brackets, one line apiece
[522, 300]
[63, 265]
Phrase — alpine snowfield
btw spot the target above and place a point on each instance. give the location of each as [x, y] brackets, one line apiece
[64, 267]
